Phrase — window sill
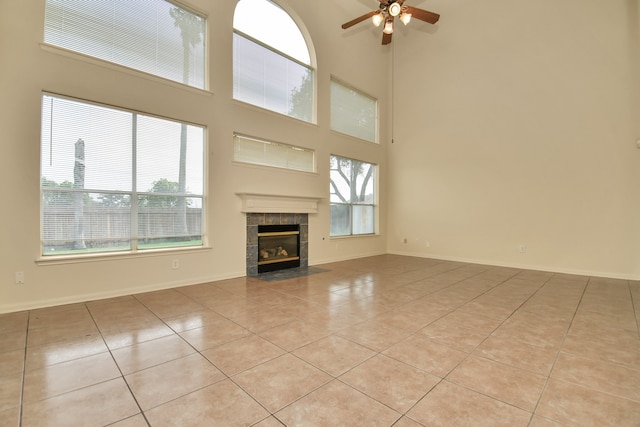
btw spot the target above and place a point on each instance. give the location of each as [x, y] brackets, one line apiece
[355, 138]
[273, 168]
[354, 236]
[111, 256]
[273, 112]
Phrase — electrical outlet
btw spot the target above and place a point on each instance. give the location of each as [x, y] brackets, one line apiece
[522, 249]
[175, 264]
[427, 244]
[19, 277]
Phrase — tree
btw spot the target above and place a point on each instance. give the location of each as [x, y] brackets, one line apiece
[164, 200]
[55, 194]
[78, 202]
[302, 98]
[348, 171]
[111, 200]
[351, 196]
[56, 197]
[191, 30]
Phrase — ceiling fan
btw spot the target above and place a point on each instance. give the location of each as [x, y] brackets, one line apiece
[386, 13]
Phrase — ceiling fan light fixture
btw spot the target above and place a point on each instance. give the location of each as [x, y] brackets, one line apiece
[387, 12]
[405, 18]
[395, 9]
[377, 19]
[388, 27]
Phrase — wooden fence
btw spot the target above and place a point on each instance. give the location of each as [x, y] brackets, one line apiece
[113, 226]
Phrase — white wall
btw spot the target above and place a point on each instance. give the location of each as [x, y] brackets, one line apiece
[27, 69]
[516, 123]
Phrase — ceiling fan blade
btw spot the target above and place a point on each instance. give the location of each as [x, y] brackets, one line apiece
[386, 38]
[423, 15]
[359, 19]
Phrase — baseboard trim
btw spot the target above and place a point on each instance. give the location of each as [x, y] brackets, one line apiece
[319, 262]
[522, 266]
[94, 296]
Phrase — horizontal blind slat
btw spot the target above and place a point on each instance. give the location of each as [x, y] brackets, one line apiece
[145, 35]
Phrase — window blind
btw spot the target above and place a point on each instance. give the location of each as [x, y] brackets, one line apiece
[153, 36]
[267, 153]
[271, 60]
[266, 78]
[117, 180]
[353, 112]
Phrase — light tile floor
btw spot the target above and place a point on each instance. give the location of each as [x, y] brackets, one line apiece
[380, 341]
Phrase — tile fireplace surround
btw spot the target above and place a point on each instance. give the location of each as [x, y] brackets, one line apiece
[256, 219]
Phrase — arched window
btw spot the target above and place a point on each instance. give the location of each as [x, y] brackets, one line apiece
[271, 61]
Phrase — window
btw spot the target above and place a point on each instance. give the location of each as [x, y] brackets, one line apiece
[271, 61]
[154, 36]
[352, 197]
[116, 180]
[353, 112]
[267, 153]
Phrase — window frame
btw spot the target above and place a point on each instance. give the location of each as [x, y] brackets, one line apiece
[373, 205]
[135, 236]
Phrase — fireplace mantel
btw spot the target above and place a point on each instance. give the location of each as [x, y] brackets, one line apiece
[273, 203]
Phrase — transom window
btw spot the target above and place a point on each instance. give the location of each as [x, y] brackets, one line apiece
[257, 151]
[352, 190]
[353, 112]
[117, 180]
[271, 60]
[154, 36]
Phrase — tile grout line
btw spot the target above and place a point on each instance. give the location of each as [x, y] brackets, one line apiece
[226, 376]
[636, 310]
[334, 378]
[24, 370]
[144, 416]
[489, 335]
[469, 354]
[553, 365]
[443, 379]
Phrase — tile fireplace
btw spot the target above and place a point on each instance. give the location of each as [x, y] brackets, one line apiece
[276, 241]
[277, 231]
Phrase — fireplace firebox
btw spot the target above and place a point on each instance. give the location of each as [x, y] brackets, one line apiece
[278, 247]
